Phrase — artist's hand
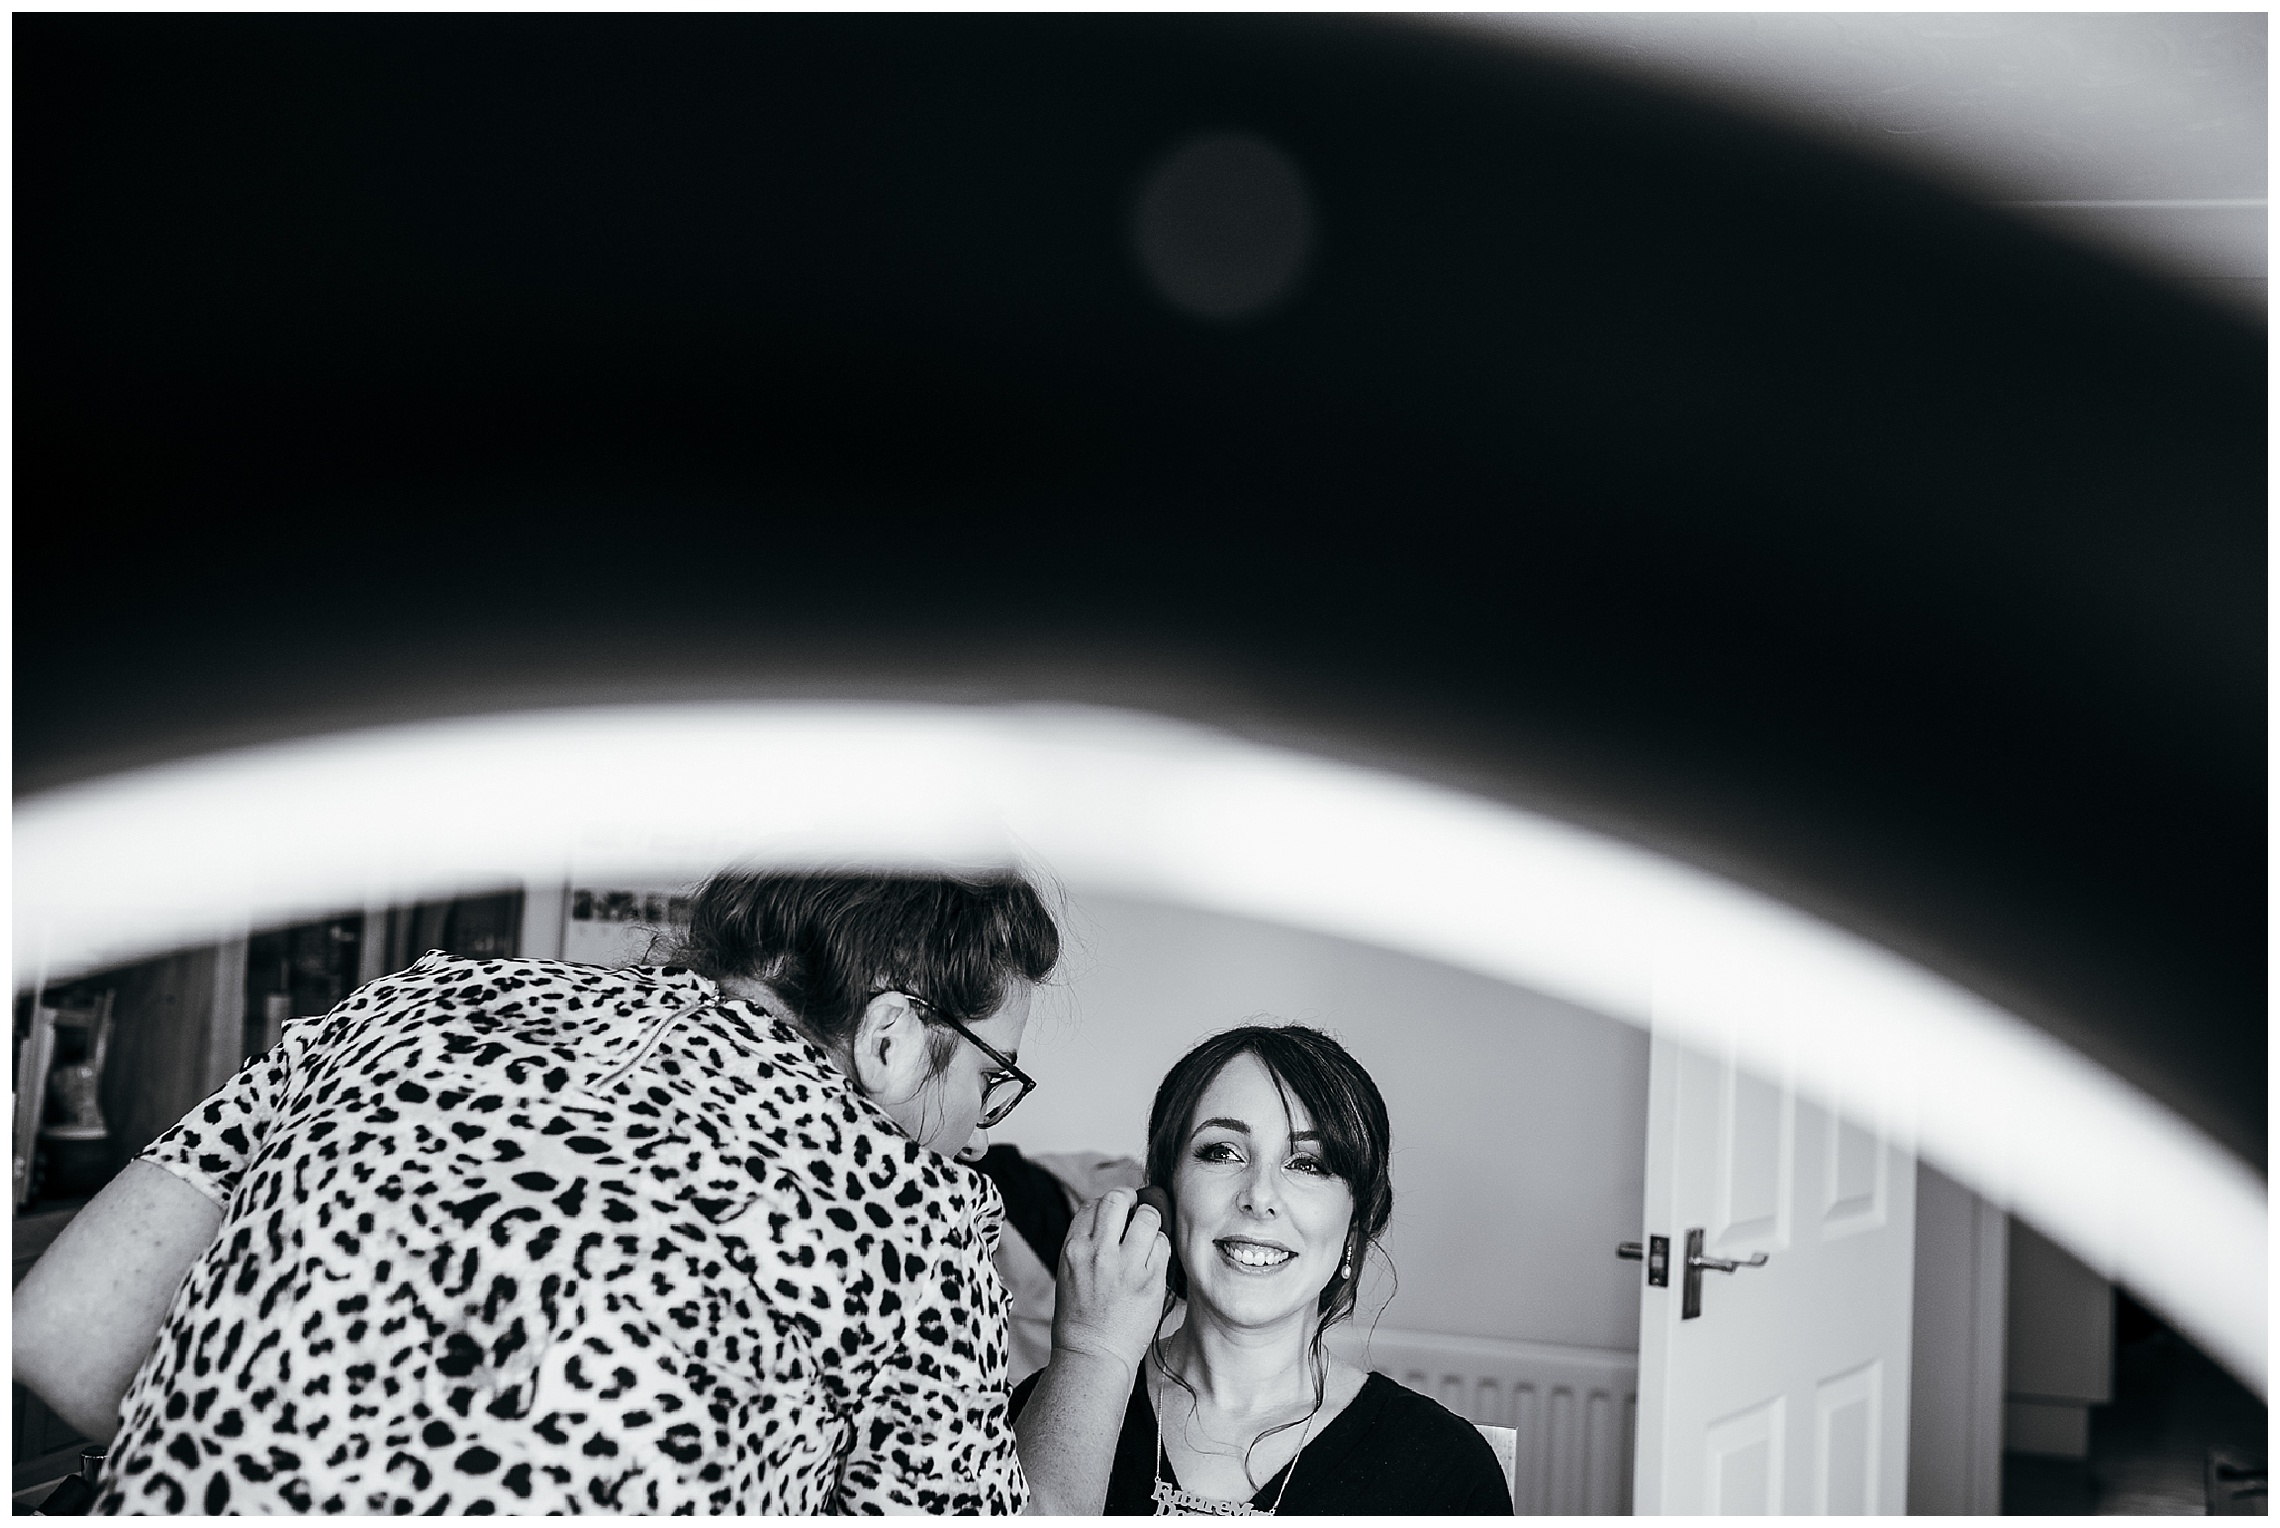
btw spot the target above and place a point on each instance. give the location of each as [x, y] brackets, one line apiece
[1109, 1296]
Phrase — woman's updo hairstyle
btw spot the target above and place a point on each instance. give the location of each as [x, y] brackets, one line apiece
[825, 941]
[1347, 1110]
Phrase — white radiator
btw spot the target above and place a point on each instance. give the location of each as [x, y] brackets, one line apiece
[1575, 1409]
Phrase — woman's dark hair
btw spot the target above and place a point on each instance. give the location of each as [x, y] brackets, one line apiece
[825, 941]
[1356, 1141]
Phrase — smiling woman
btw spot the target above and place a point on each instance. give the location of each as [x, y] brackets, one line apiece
[1226, 1138]
[1274, 1151]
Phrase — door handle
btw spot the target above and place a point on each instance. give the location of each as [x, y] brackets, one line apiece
[1655, 1254]
[1690, 1295]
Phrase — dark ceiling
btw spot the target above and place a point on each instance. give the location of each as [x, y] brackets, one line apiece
[1609, 455]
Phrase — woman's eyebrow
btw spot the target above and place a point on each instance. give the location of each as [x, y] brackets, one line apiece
[1238, 1126]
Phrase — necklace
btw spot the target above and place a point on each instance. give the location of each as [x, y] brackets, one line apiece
[1178, 1501]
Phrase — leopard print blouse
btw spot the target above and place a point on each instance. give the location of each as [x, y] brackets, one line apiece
[526, 1236]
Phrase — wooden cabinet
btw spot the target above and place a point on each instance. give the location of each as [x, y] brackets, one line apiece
[174, 1039]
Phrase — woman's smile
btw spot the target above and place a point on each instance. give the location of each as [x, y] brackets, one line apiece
[1255, 1256]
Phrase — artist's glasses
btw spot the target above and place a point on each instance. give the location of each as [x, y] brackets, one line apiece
[1006, 1087]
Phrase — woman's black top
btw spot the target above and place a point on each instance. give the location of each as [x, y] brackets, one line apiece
[1390, 1451]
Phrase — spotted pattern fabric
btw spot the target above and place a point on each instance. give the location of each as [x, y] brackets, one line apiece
[527, 1236]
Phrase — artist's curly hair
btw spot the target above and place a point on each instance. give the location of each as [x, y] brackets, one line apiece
[825, 941]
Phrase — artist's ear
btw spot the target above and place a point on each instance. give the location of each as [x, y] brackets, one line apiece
[889, 1049]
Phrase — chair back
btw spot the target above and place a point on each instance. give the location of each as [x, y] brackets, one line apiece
[1506, 1442]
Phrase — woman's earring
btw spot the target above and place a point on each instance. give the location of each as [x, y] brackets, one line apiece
[1347, 1271]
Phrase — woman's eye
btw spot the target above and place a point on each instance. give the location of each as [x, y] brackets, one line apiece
[1217, 1151]
[1309, 1165]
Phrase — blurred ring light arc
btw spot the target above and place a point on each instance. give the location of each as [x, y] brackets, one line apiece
[1138, 805]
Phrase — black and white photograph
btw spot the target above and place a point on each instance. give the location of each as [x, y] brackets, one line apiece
[1164, 763]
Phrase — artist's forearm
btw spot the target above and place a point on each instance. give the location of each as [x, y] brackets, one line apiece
[1068, 1432]
[89, 1311]
[92, 1409]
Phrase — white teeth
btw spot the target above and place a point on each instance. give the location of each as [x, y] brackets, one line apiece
[1256, 1257]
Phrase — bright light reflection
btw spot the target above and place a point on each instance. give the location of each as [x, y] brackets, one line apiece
[125, 867]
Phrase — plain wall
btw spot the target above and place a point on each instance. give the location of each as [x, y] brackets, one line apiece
[1519, 1122]
[2059, 1349]
[2060, 1337]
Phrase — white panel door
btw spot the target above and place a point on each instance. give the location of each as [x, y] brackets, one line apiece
[1788, 1392]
